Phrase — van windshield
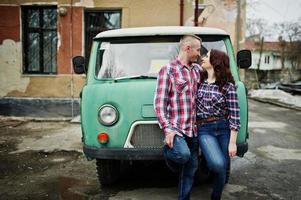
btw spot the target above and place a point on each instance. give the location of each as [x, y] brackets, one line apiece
[122, 58]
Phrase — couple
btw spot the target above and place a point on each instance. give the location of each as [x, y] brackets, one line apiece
[197, 107]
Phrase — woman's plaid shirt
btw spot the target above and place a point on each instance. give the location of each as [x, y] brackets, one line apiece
[175, 96]
[213, 103]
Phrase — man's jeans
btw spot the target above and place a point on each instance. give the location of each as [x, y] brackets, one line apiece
[214, 140]
[184, 156]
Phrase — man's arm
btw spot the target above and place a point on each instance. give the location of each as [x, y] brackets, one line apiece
[161, 99]
[161, 102]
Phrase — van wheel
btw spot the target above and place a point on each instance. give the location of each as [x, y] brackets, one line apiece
[108, 171]
[228, 172]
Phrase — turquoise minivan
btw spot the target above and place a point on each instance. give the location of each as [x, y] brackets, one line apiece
[117, 117]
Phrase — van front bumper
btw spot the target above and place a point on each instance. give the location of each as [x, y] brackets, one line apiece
[138, 154]
[123, 153]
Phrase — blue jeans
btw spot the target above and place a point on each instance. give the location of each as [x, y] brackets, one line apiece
[184, 156]
[214, 139]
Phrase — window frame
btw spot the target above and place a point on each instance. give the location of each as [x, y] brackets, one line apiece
[154, 39]
[26, 30]
[267, 59]
[87, 50]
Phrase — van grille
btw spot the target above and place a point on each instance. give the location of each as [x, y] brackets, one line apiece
[147, 136]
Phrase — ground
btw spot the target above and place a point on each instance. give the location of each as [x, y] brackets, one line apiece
[44, 160]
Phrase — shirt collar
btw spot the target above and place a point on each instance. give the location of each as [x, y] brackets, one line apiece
[191, 66]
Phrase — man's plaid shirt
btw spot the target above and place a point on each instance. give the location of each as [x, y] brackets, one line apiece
[175, 96]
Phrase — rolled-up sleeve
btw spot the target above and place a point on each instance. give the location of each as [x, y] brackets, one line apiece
[233, 106]
[161, 98]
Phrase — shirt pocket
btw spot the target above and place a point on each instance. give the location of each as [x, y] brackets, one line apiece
[181, 85]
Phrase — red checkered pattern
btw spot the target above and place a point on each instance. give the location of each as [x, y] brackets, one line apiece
[175, 95]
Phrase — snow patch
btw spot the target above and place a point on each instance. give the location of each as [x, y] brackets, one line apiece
[279, 95]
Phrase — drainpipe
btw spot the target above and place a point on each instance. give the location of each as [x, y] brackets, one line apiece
[196, 12]
[238, 26]
[181, 12]
[71, 49]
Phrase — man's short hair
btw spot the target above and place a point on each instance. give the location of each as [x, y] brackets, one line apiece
[187, 39]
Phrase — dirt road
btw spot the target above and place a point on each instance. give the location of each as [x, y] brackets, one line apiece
[44, 160]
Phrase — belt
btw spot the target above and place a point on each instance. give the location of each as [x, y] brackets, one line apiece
[210, 119]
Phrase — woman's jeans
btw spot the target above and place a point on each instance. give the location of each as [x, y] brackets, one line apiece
[183, 158]
[214, 139]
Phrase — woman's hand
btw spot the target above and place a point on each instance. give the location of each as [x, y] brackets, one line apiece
[232, 148]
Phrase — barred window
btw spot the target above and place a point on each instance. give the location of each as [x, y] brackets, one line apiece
[267, 59]
[98, 21]
[39, 39]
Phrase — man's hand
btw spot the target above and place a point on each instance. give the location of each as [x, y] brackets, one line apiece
[169, 137]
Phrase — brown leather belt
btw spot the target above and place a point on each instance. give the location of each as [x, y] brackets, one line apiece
[209, 119]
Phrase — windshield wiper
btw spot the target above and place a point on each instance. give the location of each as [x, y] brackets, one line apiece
[135, 77]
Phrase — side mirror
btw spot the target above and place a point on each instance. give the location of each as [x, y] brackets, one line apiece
[79, 64]
[244, 59]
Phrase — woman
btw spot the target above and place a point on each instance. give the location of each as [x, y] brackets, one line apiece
[217, 116]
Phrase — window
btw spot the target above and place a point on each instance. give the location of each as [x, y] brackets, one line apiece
[267, 59]
[98, 21]
[119, 57]
[39, 39]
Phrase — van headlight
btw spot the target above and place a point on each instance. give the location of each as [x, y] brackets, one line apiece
[107, 115]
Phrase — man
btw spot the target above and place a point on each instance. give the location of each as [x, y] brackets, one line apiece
[174, 105]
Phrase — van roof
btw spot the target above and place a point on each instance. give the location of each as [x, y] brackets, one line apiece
[160, 30]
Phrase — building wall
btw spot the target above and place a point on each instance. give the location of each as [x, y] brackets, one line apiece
[135, 13]
[16, 84]
[271, 72]
[223, 14]
[274, 62]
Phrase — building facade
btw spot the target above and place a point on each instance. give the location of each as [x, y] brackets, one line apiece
[39, 38]
[271, 63]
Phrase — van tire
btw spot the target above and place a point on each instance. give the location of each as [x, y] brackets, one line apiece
[108, 171]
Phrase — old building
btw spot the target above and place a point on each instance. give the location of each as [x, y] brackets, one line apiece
[272, 62]
[38, 39]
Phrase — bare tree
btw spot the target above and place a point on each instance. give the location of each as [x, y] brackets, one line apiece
[293, 31]
[257, 27]
[290, 31]
[290, 35]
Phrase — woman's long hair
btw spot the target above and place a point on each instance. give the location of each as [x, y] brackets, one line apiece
[220, 62]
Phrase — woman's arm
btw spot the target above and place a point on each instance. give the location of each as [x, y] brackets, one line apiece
[232, 148]
[233, 107]
[234, 118]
